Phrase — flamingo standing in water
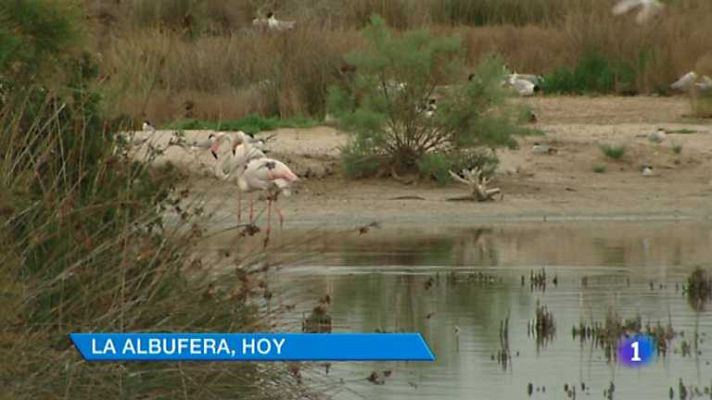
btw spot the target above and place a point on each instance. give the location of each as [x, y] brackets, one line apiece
[232, 162]
[254, 172]
[272, 177]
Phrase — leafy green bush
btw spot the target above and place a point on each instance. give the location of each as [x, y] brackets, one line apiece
[395, 76]
[594, 73]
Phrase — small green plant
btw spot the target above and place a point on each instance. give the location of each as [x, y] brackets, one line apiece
[612, 151]
[677, 148]
[599, 168]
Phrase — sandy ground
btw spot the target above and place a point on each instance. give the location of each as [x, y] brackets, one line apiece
[535, 186]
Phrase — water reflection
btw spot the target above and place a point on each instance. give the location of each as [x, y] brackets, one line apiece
[470, 293]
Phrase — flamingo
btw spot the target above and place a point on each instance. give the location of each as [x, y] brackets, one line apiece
[272, 177]
[230, 164]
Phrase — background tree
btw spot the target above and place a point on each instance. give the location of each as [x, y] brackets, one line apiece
[385, 106]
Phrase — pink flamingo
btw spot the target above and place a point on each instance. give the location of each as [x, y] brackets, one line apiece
[230, 164]
[272, 177]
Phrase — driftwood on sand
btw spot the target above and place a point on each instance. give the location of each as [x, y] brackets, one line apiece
[478, 186]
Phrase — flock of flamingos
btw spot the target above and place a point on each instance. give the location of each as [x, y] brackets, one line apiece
[240, 158]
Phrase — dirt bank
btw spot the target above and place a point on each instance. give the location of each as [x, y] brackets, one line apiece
[559, 186]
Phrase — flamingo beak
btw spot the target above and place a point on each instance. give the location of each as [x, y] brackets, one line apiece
[214, 149]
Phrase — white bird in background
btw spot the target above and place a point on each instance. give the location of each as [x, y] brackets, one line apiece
[648, 8]
[658, 136]
[522, 86]
[272, 23]
[685, 82]
[690, 80]
[147, 126]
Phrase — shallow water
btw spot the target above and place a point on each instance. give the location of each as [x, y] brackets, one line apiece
[432, 280]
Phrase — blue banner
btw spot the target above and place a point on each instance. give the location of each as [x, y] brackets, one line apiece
[252, 347]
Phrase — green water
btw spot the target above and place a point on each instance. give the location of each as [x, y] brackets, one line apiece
[456, 285]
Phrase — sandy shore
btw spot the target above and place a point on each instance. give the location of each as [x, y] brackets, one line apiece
[535, 186]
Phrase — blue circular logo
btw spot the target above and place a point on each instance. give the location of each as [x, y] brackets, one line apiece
[636, 351]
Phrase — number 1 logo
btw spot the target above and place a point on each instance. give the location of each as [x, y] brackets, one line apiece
[636, 351]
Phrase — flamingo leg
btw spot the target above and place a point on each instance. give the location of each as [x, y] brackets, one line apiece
[252, 210]
[279, 215]
[239, 206]
[269, 221]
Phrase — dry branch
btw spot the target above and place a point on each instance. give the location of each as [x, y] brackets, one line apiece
[478, 185]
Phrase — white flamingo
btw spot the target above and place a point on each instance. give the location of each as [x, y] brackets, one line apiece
[648, 8]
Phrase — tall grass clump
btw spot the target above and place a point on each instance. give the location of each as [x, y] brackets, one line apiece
[382, 104]
[84, 243]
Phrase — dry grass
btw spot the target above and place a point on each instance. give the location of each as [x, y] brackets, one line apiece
[155, 72]
[158, 59]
